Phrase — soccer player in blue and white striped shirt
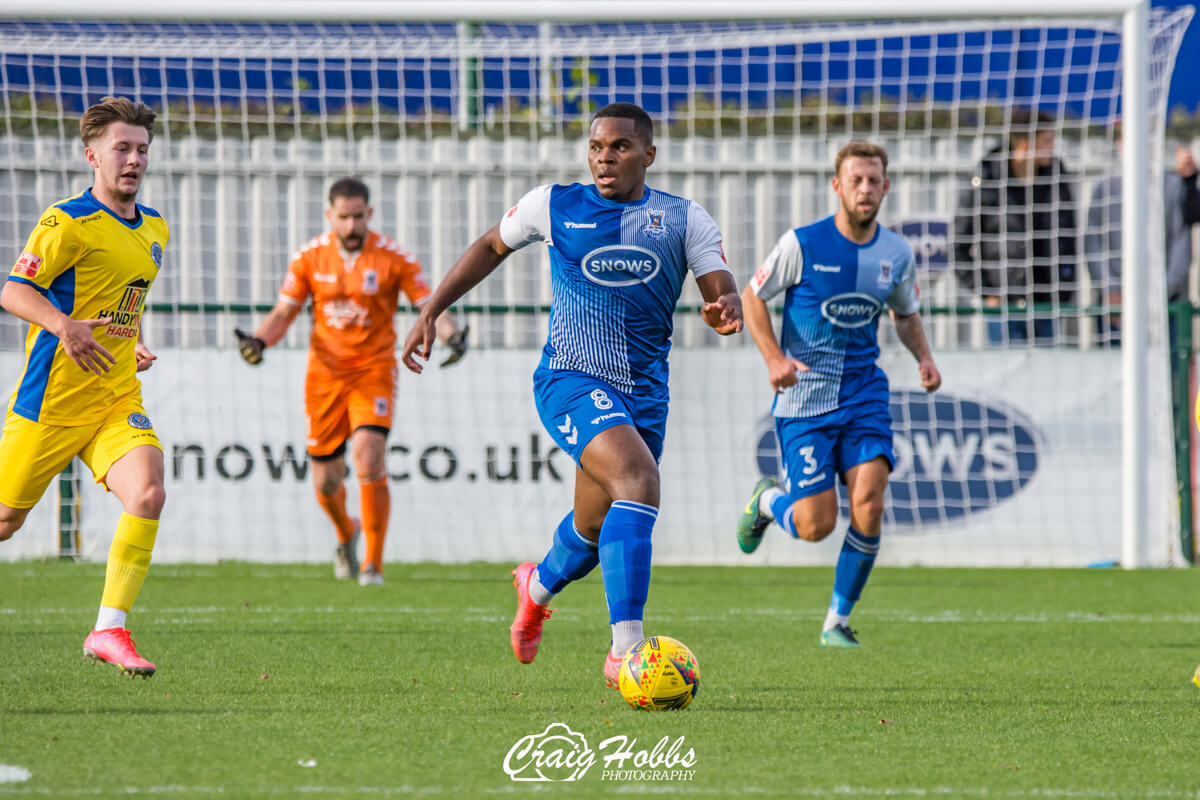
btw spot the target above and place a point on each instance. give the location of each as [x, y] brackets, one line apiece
[619, 253]
[831, 402]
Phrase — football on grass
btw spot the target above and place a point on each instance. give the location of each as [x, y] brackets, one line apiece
[659, 673]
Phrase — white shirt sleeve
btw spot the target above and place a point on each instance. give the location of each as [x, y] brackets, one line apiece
[903, 299]
[529, 220]
[702, 242]
[782, 269]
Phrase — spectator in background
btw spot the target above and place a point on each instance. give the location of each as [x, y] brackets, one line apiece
[1102, 241]
[1014, 231]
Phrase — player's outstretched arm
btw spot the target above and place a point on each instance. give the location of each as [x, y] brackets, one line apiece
[479, 260]
[76, 336]
[722, 309]
[272, 329]
[781, 370]
[912, 335]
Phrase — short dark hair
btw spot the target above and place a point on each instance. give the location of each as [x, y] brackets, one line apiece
[859, 149]
[349, 187]
[97, 118]
[1024, 124]
[642, 124]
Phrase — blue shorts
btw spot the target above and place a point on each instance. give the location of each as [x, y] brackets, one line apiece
[574, 407]
[816, 449]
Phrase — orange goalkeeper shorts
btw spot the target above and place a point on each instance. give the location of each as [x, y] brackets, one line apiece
[339, 401]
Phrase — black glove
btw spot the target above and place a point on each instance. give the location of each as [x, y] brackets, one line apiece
[457, 342]
[251, 347]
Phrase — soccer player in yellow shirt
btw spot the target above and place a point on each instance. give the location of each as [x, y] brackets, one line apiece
[81, 284]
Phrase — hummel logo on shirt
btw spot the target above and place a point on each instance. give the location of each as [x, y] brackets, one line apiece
[579, 224]
[827, 268]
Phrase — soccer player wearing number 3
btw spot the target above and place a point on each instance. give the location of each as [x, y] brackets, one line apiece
[831, 401]
[355, 277]
[81, 283]
[619, 254]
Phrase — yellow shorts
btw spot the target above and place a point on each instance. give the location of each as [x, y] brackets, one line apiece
[33, 453]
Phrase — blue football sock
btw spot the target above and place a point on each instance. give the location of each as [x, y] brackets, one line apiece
[853, 568]
[625, 558]
[570, 558]
[781, 510]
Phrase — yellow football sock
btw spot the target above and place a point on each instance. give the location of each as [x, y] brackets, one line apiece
[128, 560]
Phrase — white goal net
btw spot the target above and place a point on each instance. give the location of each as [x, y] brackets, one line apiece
[1016, 461]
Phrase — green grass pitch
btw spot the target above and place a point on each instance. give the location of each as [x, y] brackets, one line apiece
[277, 681]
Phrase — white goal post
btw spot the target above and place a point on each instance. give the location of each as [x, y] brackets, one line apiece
[1139, 150]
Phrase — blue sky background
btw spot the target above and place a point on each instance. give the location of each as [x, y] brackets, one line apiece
[1185, 83]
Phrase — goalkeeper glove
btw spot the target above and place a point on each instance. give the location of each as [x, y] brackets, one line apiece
[251, 347]
[457, 342]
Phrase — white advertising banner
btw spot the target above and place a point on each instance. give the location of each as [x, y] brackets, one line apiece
[1016, 461]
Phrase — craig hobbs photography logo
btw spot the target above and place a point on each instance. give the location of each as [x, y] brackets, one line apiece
[561, 754]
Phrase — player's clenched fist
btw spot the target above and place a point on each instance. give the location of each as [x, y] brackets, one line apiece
[251, 347]
[724, 315]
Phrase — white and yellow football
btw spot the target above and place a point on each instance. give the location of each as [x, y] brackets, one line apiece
[659, 673]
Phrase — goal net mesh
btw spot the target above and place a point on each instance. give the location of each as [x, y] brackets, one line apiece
[1015, 461]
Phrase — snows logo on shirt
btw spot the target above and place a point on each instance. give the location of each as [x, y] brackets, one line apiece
[850, 310]
[621, 265]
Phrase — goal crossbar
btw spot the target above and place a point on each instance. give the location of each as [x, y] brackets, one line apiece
[555, 10]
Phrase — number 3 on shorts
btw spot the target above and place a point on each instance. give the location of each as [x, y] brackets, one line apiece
[810, 463]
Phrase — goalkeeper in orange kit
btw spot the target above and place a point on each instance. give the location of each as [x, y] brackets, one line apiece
[355, 277]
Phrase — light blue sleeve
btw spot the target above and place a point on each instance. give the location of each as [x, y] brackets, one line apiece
[529, 220]
[702, 242]
[782, 270]
[903, 299]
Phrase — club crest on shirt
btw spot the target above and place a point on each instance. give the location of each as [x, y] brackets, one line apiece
[654, 227]
[156, 254]
[885, 274]
[140, 421]
[370, 281]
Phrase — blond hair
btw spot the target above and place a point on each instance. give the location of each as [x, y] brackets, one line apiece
[860, 149]
[97, 118]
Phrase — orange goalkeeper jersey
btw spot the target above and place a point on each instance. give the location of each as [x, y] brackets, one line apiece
[354, 297]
